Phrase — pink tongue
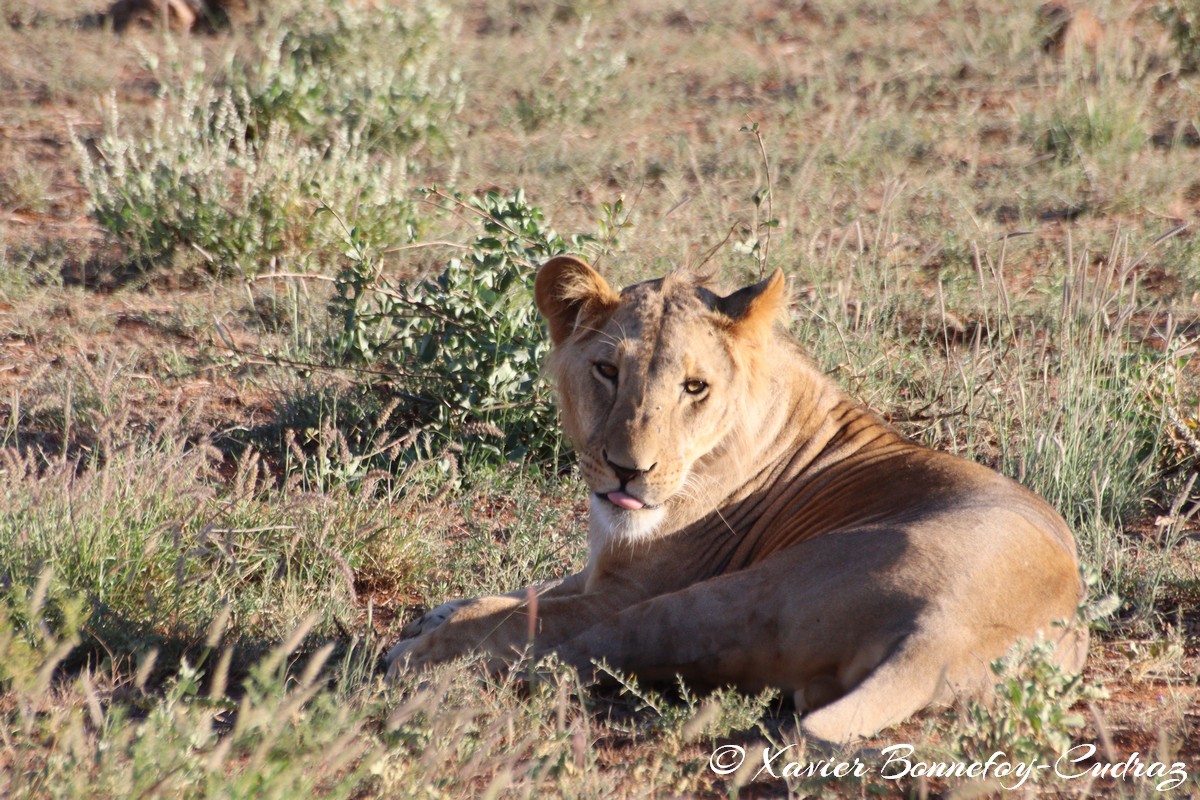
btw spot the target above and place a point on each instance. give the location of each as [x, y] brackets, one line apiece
[625, 501]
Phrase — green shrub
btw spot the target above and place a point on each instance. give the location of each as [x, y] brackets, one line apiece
[467, 342]
[194, 179]
[376, 71]
[330, 112]
[1031, 718]
[203, 177]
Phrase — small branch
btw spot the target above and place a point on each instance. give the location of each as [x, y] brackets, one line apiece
[766, 248]
[271, 360]
[708, 256]
[418, 245]
[436, 192]
[300, 275]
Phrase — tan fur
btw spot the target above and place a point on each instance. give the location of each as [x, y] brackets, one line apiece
[789, 538]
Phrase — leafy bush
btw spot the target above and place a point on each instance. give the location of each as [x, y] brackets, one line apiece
[196, 179]
[1031, 718]
[467, 341]
[366, 69]
[234, 164]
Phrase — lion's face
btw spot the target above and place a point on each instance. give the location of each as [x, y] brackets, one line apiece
[653, 383]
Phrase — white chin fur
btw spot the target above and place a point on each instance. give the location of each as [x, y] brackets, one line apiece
[611, 524]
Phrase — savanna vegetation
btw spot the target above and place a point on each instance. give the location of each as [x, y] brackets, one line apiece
[269, 376]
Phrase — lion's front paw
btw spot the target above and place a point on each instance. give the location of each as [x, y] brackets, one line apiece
[432, 619]
[414, 655]
[413, 649]
[397, 658]
[424, 651]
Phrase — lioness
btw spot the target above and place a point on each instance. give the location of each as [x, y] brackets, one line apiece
[751, 524]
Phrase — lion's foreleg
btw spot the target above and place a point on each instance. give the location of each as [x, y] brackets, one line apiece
[435, 617]
[503, 627]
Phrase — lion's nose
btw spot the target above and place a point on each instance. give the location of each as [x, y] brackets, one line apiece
[626, 474]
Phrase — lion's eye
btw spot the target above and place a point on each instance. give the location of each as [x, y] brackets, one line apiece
[695, 386]
[606, 370]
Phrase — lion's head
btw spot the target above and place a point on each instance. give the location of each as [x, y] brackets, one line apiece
[656, 383]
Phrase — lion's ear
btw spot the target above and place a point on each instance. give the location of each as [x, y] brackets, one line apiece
[567, 292]
[753, 310]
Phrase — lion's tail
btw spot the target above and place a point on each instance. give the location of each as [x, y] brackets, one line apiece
[915, 675]
[904, 683]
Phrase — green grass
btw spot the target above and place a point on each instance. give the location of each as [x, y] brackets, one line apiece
[215, 519]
